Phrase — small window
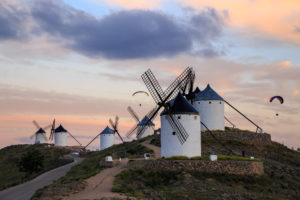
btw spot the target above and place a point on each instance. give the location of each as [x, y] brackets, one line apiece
[195, 117]
[173, 133]
[220, 102]
[209, 102]
[199, 102]
[178, 117]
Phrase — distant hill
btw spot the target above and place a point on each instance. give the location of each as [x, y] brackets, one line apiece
[11, 155]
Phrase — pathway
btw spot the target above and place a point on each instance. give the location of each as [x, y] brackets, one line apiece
[156, 149]
[100, 185]
[26, 190]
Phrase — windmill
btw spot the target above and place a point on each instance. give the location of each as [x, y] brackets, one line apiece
[114, 126]
[40, 134]
[162, 98]
[59, 135]
[143, 131]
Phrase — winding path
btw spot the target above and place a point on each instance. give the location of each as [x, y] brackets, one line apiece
[26, 190]
[100, 185]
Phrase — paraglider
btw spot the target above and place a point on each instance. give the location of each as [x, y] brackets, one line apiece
[142, 92]
[279, 98]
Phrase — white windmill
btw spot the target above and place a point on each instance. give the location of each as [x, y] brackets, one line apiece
[40, 134]
[60, 135]
[210, 105]
[180, 121]
[189, 120]
[144, 127]
[107, 136]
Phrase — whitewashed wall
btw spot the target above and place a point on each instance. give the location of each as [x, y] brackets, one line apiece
[170, 144]
[106, 140]
[149, 130]
[212, 113]
[60, 139]
[39, 138]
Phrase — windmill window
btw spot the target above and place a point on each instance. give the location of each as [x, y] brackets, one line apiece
[209, 102]
[179, 117]
[195, 117]
[198, 102]
[173, 133]
[220, 102]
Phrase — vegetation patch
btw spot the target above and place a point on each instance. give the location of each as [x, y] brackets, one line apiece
[90, 167]
[12, 173]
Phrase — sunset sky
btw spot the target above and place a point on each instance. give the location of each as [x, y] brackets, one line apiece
[79, 61]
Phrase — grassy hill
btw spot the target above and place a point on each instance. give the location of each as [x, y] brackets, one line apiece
[11, 155]
[280, 181]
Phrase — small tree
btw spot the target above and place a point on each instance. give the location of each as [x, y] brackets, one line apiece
[32, 161]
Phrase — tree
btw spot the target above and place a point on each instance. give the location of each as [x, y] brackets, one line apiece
[32, 161]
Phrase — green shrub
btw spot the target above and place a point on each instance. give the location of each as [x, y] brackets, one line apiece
[177, 158]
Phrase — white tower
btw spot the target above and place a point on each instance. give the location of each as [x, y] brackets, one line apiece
[210, 105]
[40, 136]
[148, 130]
[107, 138]
[60, 136]
[189, 118]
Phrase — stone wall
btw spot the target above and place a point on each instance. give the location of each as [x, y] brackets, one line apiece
[247, 137]
[224, 166]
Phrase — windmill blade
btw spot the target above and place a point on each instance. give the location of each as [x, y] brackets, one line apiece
[151, 116]
[51, 135]
[74, 138]
[133, 114]
[142, 131]
[174, 88]
[177, 128]
[153, 86]
[131, 131]
[91, 141]
[111, 123]
[119, 135]
[116, 122]
[36, 124]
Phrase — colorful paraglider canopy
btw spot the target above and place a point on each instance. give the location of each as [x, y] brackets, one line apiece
[280, 99]
[143, 92]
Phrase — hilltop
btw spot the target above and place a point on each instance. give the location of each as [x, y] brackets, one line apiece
[281, 179]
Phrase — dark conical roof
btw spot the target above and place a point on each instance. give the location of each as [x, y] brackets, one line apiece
[197, 90]
[180, 105]
[107, 130]
[40, 131]
[208, 94]
[60, 129]
[144, 122]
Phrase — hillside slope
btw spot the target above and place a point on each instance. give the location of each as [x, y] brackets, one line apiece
[10, 156]
[280, 181]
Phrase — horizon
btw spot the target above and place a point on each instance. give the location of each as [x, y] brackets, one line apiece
[80, 62]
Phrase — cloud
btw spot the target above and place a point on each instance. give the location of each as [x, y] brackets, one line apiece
[12, 22]
[262, 18]
[127, 34]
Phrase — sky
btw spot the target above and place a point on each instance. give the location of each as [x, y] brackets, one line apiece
[79, 61]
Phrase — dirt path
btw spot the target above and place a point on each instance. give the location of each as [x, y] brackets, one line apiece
[156, 149]
[100, 185]
[26, 190]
